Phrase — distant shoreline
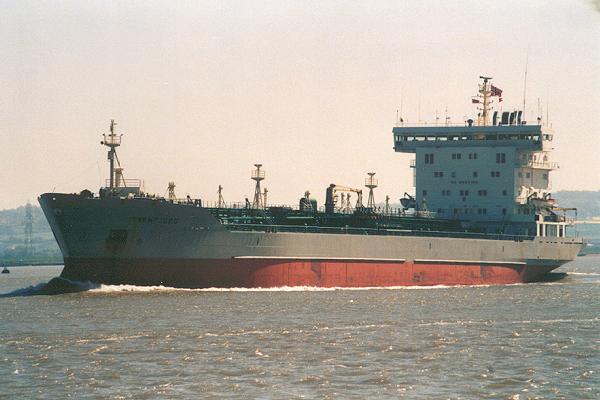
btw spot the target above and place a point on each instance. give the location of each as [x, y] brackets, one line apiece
[29, 264]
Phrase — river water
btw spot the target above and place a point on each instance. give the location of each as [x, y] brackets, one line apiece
[513, 341]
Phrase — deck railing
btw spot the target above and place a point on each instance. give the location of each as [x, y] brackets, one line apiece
[538, 164]
[371, 231]
[126, 183]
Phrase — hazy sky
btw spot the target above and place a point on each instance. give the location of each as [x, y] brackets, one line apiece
[203, 90]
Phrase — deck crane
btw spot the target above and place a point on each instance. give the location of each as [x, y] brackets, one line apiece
[331, 196]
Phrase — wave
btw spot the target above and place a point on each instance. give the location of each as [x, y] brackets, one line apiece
[142, 289]
[514, 322]
[54, 286]
[584, 273]
[60, 285]
[103, 288]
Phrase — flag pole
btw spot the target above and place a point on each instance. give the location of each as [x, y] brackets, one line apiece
[525, 82]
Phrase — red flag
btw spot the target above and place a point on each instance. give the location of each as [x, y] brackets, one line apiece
[496, 91]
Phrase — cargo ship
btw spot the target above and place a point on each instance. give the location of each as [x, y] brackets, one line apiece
[482, 213]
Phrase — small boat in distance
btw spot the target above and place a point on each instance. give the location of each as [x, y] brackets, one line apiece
[5, 271]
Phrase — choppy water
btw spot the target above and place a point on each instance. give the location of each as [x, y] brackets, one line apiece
[514, 341]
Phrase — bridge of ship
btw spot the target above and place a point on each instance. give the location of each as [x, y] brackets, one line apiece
[407, 139]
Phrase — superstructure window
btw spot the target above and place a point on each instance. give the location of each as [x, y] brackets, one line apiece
[445, 192]
[424, 192]
[504, 192]
[495, 174]
[500, 158]
[472, 156]
[429, 158]
[482, 192]
[456, 156]
[527, 174]
[475, 174]
[438, 174]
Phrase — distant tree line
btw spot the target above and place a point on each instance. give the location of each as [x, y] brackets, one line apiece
[13, 249]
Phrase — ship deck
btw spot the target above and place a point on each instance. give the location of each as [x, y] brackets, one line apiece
[370, 231]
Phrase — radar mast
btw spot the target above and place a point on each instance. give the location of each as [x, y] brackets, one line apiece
[485, 91]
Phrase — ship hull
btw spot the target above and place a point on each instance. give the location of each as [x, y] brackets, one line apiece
[153, 242]
[264, 273]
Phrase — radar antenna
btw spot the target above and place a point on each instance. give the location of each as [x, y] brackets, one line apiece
[486, 91]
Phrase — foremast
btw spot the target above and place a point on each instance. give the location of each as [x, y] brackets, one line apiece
[116, 184]
[112, 141]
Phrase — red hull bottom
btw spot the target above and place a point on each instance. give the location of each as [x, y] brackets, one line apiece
[265, 273]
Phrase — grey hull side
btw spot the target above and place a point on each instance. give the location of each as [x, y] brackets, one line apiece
[137, 229]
